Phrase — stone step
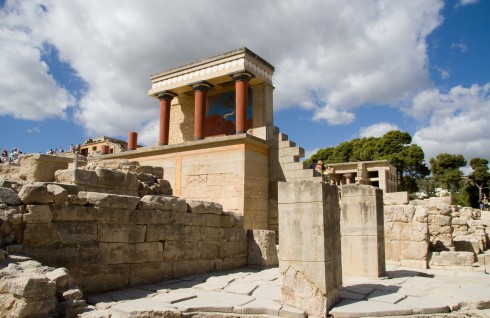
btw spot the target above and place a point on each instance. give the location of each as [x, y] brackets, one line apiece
[292, 151]
[282, 137]
[286, 144]
[294, 166]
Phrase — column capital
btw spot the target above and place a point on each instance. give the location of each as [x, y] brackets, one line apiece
[242, 76]
[201, 86]
[167, 95]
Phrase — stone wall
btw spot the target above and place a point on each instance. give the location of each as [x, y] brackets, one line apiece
[110, 241]
[406, 234]
[434, 234]
[363, 246]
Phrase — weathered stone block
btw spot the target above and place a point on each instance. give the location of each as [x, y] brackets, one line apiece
[73, 213]
[60, 195]
[76, 232]
[414, 250]
[202, 207]
[233, 262]
[232, 249]
[397, 198]
[186, 218]
[116, 179]
[35, 193]
[165, 203]
[62, 279]
[110, 215]
[77, 176]
[262, 249]
[41, 234]
[38, 214]
[442, 220]
[447, 258]
[40, 167]
[9, 196]
[114, 201]
[151, 217]
[105, 277]
[208, 249]
[122, 233]
[165, 187]
[180, 250]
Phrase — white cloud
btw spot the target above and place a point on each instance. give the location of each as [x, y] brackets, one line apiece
[460, 46]
[34, 129]
[443, 73]
[457, 122]
[330, 56]
[27, 90]
[377, 130]
[467, 2]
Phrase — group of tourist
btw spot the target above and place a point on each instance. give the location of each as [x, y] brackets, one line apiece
[317, 166]
[12, 157]
[54, 151]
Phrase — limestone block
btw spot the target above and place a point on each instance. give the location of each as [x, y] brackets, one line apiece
[62, 279]
[60, 195]
[71, 308]
[109, 215]
[211, 220]
[60, 255]
[233, 262]
[117, 179]
[76, 232]
[185, 268]
[41, 234]
[227, 221]
[402, 213]
[421, 214]
[77, 176]
[165, 203]
[237, 220]
[442, 220]
[73, 213]
[467, 244]
[33, 287]
[232, 249]
[446, 258]
[14, 306]
[38, 214]
[110, 200]
[165, 187]
[420, 232]
[151, 272]
[115, 253]
[180, 250]
[35, 193]
[40, 167]
[299, 292]
[208, 249]
[9, 196]
[76, 200]
[150, 217]
[201, 207]
[413, 250]
[262, 249]
[214, 233]
[459, 221]
[97, 278]
[397, 198]
[186, 218]
[122, 233]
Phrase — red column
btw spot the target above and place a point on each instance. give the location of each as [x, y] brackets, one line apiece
[200, 95]
[165, 101]
[105, 149]
[132, 140]
[241, 98]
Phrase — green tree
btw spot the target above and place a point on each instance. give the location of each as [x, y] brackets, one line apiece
[446, 170]
[480, 175]
[395, 146]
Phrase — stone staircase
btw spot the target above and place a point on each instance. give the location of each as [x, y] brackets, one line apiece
[290, 168]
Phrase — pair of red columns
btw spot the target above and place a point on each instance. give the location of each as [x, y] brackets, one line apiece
[200, 95]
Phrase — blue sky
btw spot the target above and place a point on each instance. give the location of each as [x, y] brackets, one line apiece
[344, 69]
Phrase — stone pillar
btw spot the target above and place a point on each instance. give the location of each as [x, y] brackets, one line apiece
[200, 96]
[105, 149]
[310, 254]
[241, 97]
[348, 178]
[132, 140]
[363, 244]
[165, 102]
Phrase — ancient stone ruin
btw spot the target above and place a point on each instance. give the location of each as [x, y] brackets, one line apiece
[216, 194]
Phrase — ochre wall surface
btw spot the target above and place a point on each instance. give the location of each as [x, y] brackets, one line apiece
[231, 170]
